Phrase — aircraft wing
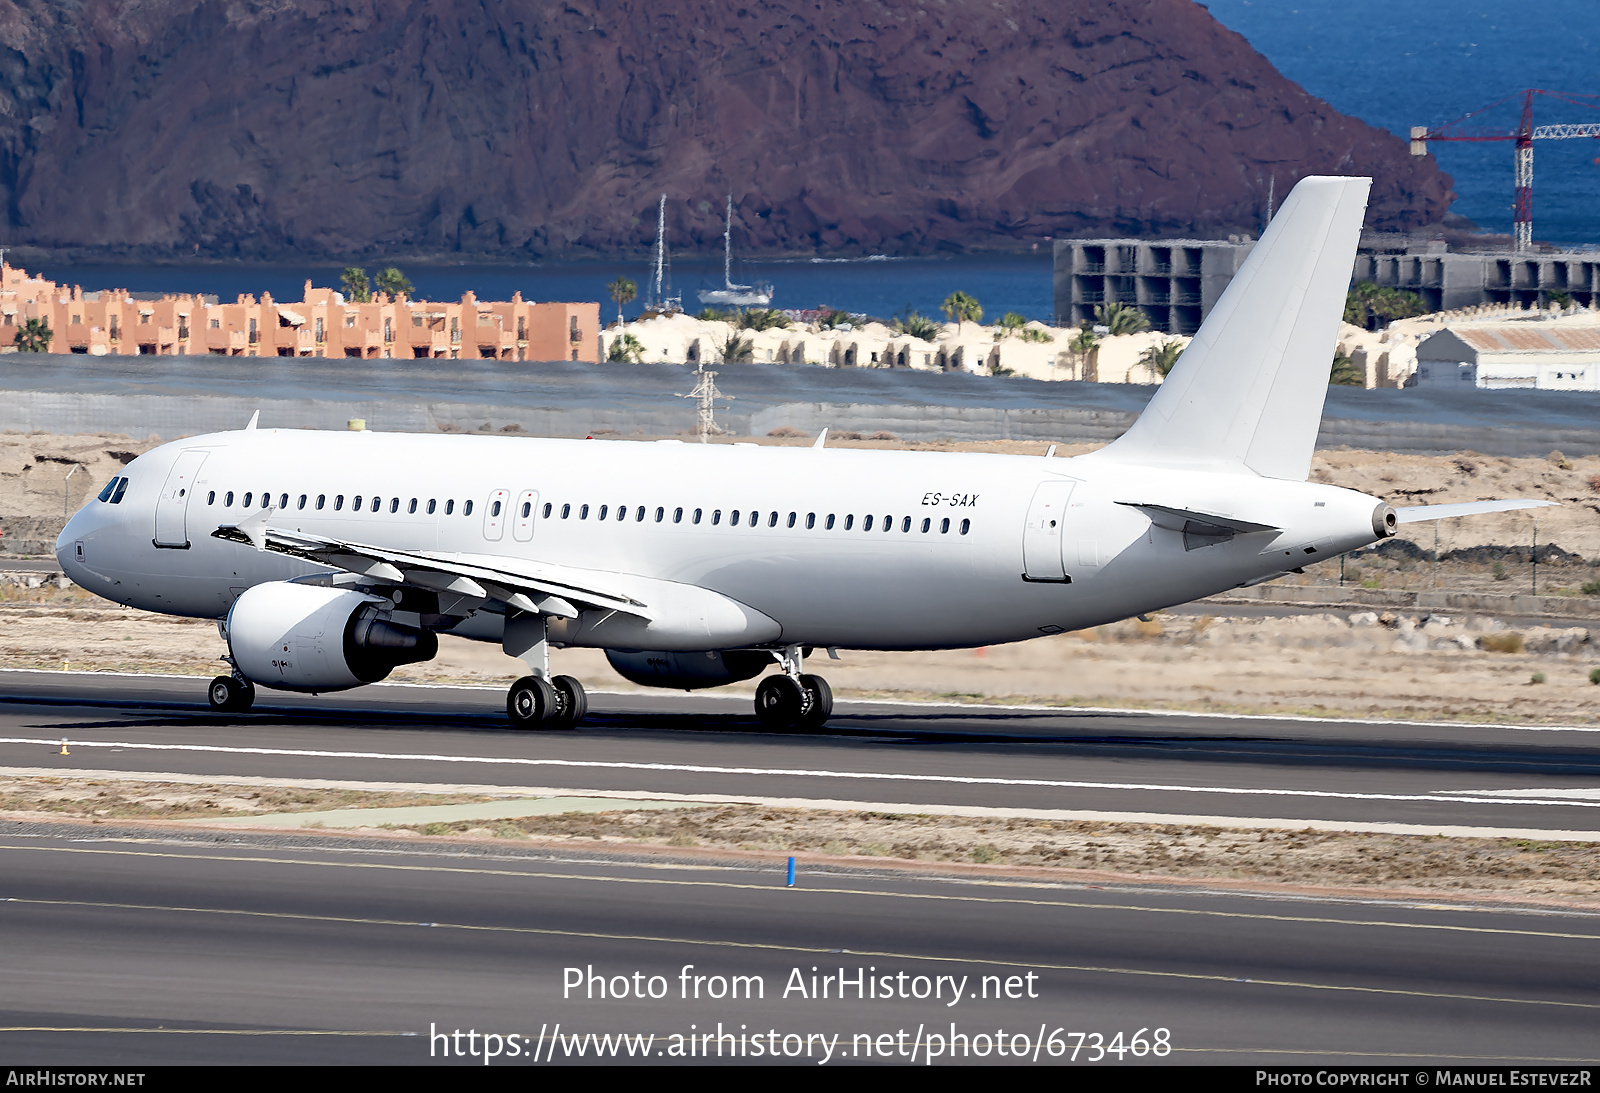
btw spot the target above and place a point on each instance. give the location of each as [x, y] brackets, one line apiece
[533, 587]
[1414, 514]
[1169, 516]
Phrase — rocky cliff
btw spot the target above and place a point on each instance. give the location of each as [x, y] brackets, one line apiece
[518, 128]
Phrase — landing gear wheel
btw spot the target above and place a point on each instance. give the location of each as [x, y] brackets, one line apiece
[780, 702]
[820, 706]
[530, 703]
[229, 695]
[573, 703]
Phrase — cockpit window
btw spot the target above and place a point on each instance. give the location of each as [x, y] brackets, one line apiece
[122, 488]
[111, 487]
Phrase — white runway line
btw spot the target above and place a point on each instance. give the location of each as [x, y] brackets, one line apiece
[799, 772]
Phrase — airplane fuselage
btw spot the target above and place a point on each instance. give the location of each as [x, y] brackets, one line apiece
[825, 547]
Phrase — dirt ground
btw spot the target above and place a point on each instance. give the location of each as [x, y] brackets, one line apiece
[1460, 868]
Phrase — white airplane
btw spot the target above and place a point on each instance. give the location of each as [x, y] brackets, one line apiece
[329, 559]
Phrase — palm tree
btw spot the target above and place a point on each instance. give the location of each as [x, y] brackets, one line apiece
[356, 289]
[34, 336]
[916, 326]
[393, 282]
[626, 350]
[1344, 373]
[962, 308]
[624, 291]
[1085, 343]
[1160, 358]
[737, 350]
[1010, 323]
[1120, 319]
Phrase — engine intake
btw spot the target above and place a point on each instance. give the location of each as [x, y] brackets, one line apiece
[307, 638]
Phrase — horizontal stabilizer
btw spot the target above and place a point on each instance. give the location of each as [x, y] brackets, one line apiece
[1416, 514]
[1165, 516]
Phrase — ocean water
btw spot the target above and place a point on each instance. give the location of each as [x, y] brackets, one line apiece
[1393, 64]
[1399, 63]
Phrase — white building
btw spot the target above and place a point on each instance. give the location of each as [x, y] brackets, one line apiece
[1541, 351]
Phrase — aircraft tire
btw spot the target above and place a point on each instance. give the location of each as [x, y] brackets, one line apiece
[780, 702]
[530, 703]
[228, 695]
[572, 700]
[820, 706]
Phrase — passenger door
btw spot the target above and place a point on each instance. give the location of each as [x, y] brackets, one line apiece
[1045, 531]
[173, 504]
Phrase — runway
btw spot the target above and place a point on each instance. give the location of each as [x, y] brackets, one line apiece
[135, 953]
[138, 949]
[1360, 775]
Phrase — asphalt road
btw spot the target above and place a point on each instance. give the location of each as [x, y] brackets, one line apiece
[1438, 776]
[133, 953]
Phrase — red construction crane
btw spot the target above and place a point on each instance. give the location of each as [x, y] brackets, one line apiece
[1524, 135]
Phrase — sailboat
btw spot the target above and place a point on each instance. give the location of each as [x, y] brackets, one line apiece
[661, 281]
[730, 293]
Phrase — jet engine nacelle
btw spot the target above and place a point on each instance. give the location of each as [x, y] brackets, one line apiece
[299, 637]
[687, 671]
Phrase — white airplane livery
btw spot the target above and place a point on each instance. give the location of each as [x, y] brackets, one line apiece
[330, 559]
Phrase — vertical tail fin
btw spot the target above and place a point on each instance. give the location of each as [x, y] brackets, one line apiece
[1247, 393]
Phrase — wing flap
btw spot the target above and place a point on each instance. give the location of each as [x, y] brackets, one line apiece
[550, 590]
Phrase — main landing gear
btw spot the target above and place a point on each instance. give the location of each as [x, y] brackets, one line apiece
[231, 694]
[793, 700]
[538, 703]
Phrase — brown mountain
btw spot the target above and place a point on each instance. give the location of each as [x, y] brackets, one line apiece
[277, 128]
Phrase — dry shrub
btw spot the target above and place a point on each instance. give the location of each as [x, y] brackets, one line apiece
[786, 431]
[1510, 642]
[1202, 623]
[1594, 483]
[1151, 629]
[1465, 465]
[1558, 460]
[884, 435]
[845, 434]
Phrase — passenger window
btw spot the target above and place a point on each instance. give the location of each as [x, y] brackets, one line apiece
[322, 499]
[105, 494]
[450, 506]
[791, 519]
[888, 523]
[583, 512]
[413, 507]
[944, 526]
[716, 517]
[338, 502]
[660, 512]
[303, 501]
[122, 488]
[603, 510]
[111, 487]
[432, 504]
[696, 516]
[494, 509]
[905, 525]
[394, 504]
[622, 512]
[811, 520]
[828, 524]
[283, 502]
[466, 508]
[527, 507]
[677, 516]
[355, 506]
[546, 510]
[566, 511]
[866, 523]
[965, 525]
[772, 521]
[377, 503]
[755, 517]
[246, 503]
[926, 524]
[733, 518]
[227, 499]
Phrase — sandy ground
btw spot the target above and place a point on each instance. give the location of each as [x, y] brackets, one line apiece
[1516, 869]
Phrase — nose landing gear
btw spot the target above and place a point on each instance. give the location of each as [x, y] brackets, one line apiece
[793, 700]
